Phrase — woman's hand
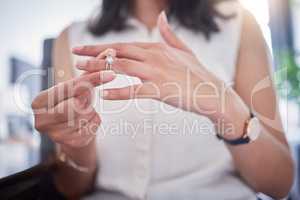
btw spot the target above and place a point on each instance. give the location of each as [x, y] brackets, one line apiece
[64, 112]
[170, 73]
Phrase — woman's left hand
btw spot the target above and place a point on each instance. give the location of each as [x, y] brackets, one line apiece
[170, 73]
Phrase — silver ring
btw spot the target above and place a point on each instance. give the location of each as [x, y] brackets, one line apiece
[109, 62]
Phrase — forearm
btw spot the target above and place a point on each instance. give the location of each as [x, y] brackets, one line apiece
[265, 164]
[71, 182]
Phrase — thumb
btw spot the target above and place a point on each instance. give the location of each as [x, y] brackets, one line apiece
[168, 35]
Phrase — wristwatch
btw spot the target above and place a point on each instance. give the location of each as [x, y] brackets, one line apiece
[252, 129]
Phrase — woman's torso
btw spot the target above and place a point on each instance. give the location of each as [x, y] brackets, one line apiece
[148, 149]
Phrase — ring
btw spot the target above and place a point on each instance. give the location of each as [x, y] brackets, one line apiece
[109, 62]
[110, 55]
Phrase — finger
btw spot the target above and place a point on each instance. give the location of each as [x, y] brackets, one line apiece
[168, 35]
[67, 131]
[75, 122]
[65, 111]
[133, 51]
[120, 65]
[144, 90]
[133, 68]
[91, 127]
[92, 65]
[72, 88]
[107, 52]
[87, 134]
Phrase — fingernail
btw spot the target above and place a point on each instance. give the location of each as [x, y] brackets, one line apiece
[164, 16]
[81, 63]
[164, 20]
[104, 94]
[77, 48]
[107, 75]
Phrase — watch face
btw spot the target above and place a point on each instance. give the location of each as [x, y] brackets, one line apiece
[254, 129]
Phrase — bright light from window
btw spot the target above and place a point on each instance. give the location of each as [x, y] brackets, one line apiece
[260, 10]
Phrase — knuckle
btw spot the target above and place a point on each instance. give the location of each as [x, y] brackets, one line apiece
[97, 119]
[121, 47]
[93, 126]
[34, 104]
[85, 48]
[89, 63]
[160, 45]
[82, 122]
[123, 61]
[36, 101]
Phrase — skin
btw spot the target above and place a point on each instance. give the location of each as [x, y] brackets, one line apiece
[57, 109]
[157, 64]
[141, 10]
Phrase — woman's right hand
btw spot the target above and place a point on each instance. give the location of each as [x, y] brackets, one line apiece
[64, 112]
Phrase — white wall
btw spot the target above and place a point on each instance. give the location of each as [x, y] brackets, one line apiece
[25, 23]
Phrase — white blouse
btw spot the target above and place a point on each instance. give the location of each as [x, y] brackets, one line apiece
[150, 150]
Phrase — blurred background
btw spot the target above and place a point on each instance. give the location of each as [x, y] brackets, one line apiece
[27, 29]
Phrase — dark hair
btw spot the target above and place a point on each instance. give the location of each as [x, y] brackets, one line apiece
[196, 15]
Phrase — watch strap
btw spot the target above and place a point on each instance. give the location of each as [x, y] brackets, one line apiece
[239, 141]
[244, 139]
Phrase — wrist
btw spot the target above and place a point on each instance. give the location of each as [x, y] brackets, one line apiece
[78, 150]
[219, 102]
[202, 95]
[235, 116]
[86, 155]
